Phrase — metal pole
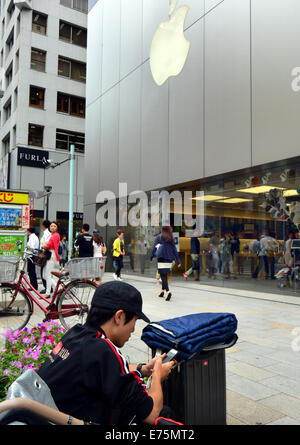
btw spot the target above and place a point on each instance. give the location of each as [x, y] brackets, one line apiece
[70, 237]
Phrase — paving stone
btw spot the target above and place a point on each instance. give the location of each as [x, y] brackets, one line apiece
[288, 405]
[283, 384]
[248, 388]
[253, 359]
[249, 371]
[248, 411]
[285, 369]
[285, 421]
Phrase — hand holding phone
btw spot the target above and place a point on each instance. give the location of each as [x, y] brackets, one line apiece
[171, 355]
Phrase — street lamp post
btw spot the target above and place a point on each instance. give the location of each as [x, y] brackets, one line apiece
[71, 195]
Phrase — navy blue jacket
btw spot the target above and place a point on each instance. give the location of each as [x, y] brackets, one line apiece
[169, 251]
[195, 245]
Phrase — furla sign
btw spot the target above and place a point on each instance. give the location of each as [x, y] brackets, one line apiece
[32, 158]
[169, 48]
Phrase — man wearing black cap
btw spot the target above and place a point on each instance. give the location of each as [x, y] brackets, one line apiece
[88, 376]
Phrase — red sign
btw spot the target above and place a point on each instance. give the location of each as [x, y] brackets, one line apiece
[25, 217]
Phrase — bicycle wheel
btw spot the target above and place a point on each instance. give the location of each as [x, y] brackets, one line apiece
[74, 302]
[15, 310]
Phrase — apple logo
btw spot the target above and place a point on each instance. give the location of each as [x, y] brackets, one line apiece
[169, 48]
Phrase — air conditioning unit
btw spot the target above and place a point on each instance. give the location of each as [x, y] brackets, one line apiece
[23, 4]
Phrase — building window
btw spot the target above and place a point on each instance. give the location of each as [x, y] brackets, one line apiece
[10, 10]
[80, 5]
[6, 144]
[72, 34]
[38, 60]
[39, 23]
[75, 106]
[7, 110]
[9, 75]
[65, 138]
[35, 135]
[10, 42]
[36, 97]
[71, 69]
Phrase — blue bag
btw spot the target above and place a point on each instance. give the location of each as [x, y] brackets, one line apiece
[191, 334]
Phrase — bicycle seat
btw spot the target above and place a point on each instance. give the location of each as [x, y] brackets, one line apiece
[60, 273]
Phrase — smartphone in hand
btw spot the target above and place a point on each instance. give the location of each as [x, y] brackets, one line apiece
[171, 355]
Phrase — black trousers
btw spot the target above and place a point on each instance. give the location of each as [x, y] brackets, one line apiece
[263, 261]
[118, 264]
[164, 279]
[32, 274]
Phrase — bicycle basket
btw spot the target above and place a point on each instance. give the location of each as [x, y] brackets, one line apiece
[83, 268]
[8, 268]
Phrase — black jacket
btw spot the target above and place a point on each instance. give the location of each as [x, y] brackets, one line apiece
[90, 379]
[85, 243]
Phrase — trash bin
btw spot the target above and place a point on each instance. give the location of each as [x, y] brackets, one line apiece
[196, 388]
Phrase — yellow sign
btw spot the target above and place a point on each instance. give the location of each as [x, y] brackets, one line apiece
[13, 198]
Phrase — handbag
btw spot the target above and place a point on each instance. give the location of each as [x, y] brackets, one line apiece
[41, 257]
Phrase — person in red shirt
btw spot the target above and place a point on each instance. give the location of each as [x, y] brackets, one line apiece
[53, 262]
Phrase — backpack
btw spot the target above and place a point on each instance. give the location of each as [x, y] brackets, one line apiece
[60, 248]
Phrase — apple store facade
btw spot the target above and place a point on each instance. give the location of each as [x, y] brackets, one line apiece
[197, 97]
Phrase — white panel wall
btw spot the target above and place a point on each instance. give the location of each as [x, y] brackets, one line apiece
[154, 12]
[155, 133]
[276, 108]
[111, 44]
[109, 164]
[227, 88]
[131, 35]
[186, 114]
[92, 164]
[130, 131]
[94, 53]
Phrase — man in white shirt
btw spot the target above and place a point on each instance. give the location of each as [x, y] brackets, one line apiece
[44, 240]
[32, 243]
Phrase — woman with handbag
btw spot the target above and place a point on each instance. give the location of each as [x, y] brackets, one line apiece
[165, 251]
[51, 247]
[99, 249]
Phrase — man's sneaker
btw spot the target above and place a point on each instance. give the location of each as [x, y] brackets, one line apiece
[185, 276]
[115, 276]
[119, 278]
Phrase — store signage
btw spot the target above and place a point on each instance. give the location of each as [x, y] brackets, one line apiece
[169, 48]
[13, 198]
[25, 217]
[32, 158]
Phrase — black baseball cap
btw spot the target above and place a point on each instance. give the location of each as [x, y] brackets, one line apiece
[119, 295]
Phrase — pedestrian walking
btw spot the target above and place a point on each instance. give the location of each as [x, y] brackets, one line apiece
[84, 243]
[226, 255]
[53, 262]
[142, 250]
[63, 256]
[195, 255]
[118, 253]
[99, 249]
[33, 244]
[45, 238]
[165, 251]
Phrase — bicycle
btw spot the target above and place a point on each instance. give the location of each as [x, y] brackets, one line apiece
[70, 300]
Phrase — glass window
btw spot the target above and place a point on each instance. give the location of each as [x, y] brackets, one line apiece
[63, 103]
[72, 69]
[38, 60]
[64, 67]
[80, 5]
[36, 97]
[79, 36]
[65, 138]
[77, 106]
[72, 34]
[35, 135]
[39, 22]
[8, 75]
[64, 31]
[7, 110]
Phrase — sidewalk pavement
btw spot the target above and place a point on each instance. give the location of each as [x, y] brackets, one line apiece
[263, 367]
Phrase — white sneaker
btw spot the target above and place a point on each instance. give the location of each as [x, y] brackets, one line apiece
[119, 278]
[115, 276]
